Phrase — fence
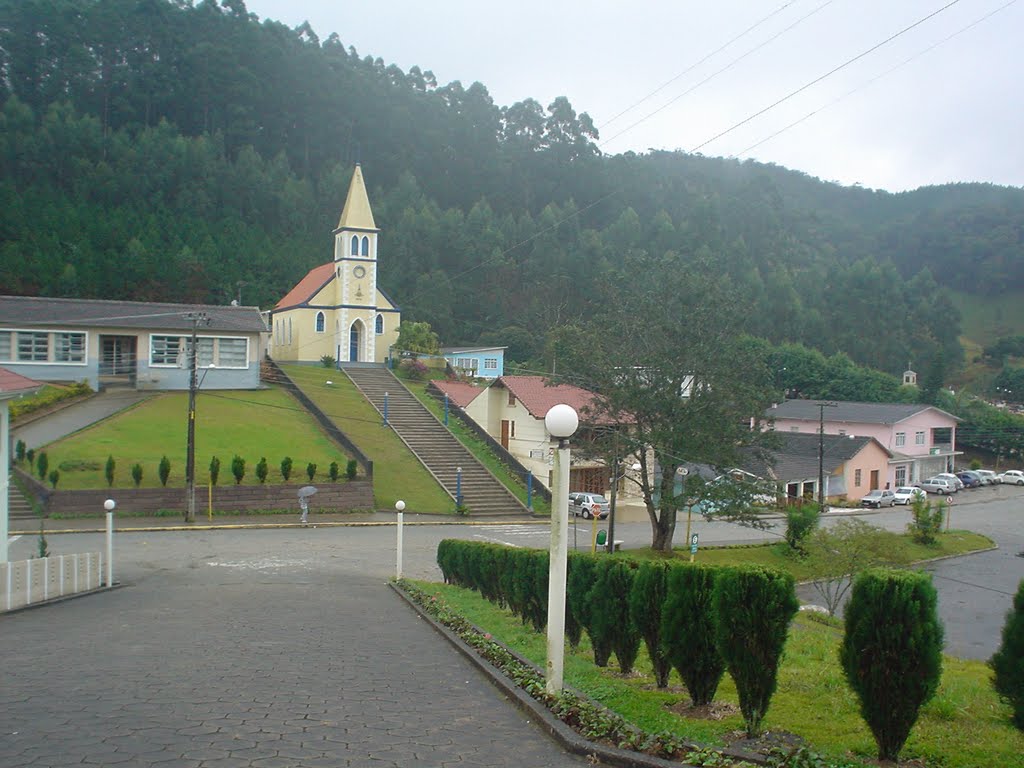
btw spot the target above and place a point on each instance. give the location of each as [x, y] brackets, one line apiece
[27, 582]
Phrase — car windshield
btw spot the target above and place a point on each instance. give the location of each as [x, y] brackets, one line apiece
[875, 493]
[905, 490]
[598, 499]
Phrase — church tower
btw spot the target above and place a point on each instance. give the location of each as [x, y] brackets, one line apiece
[337, 310]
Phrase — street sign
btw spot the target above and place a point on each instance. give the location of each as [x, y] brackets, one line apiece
[693, 544]
[949, 499]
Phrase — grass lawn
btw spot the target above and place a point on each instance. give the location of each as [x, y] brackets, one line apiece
[964, 726]
[251, 424]
[478, 448]
[397, 474]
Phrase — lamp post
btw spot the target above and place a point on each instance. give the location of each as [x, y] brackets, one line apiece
[821, 454]
[400, 508]
[109, 505]
[458, 488]
[561, 422]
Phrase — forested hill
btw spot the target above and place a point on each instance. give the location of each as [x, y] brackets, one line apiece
[160, 149]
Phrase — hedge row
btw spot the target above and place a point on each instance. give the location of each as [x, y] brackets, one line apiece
[695, 619]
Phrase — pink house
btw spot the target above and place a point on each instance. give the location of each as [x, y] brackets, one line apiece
[921, 438]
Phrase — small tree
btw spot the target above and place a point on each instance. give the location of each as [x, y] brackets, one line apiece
[801, 519]
[30, 456]
[334, 472]
[238, 468]
[286, 468]
[42, 464]
[327, 361]
[164, 470]
[311, 471]
[108, 471]
[754, 606]
[351, 468]
[214, 470]
[1008, 662]
[689, 630]
[262, 469]
[926, 521]
[646, 601]
[842, 551]
[610, 614]
[54, 478]
[19, 451]
[137, 474]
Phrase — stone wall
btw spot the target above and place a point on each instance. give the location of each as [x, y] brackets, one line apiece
[343, 496]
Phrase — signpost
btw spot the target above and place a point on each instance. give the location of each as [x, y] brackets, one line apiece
[949, 508]
[693, 546]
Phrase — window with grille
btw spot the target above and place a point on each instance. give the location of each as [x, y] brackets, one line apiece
[233, 353]
[5, 345]
[33, 347]
[69, 347]
[901, 439]
[164, 350]
[490, 363]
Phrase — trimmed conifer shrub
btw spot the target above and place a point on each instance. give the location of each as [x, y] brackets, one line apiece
[214, 470]
[688, 629]
[286, 468]
[1008, 662]
[351, 468]
[581, 591]
[238, 469]
[137, 474]
[646, 606]
[610, 610]
[892, 652]
[108, 471]
[262, 470]
[164, 471]
[333, 471]
[42, 464]
[753, 606]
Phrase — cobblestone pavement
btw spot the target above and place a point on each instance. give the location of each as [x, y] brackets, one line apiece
[247, 659]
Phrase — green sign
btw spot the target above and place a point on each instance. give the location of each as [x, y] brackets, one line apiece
[693, 544]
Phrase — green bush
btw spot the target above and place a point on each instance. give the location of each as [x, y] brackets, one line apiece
[42, 464]
[646, 606]
[50, 395]
[214, 470]
[54, 478]
[610, 610]
[926, 520]
[238, 468]
[327, 361]
[19, 451]
[262, 469]
[753, 607]
[333, 472]
[1008, 662]
[688, 630]
[137, 474]
[801, 520]
[351, 468]
[164, 470]
[892, 652]
[311, 471]
[108, 471]
[30, 457]
[581, 579]
[286, 468]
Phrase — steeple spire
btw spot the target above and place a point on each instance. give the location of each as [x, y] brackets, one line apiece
[357, 213]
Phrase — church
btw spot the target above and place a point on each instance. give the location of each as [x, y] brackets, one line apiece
[337, 310]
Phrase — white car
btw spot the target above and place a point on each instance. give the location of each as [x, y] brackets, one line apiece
[906, 494]
[1012, 477]
[988, 477]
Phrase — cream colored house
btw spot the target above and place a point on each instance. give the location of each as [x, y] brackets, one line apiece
[337, 309]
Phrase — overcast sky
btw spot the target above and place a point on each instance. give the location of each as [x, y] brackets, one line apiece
[953, 113]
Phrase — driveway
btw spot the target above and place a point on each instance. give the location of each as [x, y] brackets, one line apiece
[54, 426]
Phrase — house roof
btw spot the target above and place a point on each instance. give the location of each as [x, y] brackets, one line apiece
[459, 392]
[854, 413]
[31, 311]
[307, 287]
[797, 455]
[456, 350]
[357, 213]
[538, 396]
[15, 385]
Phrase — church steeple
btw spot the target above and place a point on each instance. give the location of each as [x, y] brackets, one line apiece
[357, 213]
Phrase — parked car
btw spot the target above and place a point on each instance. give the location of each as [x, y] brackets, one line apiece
[1012, 477]
[941, 485]
[878, 498]
[957, 482]
[907, 493]
[589, 505]
[988, 477]
[970, 479]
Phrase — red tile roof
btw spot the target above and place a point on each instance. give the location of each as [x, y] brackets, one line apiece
[539, 395]
[15, 382]
[459, 392]
[308, 286]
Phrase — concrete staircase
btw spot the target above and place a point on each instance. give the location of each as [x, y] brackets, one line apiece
[434, 445]
[19, 508]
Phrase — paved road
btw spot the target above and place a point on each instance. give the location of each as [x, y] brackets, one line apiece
[260, 648]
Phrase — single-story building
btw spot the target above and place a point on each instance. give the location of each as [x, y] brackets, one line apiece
[139, 344]
[479, 362]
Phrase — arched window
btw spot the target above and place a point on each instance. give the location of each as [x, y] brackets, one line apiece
[355, 245]
[366, 246]
[379, 325]
[319, 322]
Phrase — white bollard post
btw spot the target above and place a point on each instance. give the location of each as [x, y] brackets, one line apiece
[400, 506]
[74, 581]
[60, 582]
[46, 578]
[110, 549]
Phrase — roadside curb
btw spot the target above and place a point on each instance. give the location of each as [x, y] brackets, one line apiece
[256, 526]
[555, 728]
[61, 599]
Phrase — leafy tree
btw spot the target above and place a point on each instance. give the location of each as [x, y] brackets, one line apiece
[164, 470]
[842, 551]
[417, 337]
[261, 470]
[1008, 662]
[801, 520]
[892, 652]
[926, 520]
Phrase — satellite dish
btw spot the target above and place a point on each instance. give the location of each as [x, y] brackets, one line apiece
[306, 491]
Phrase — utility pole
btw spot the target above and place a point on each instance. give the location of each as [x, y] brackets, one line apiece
[821, 454]
[196, 319]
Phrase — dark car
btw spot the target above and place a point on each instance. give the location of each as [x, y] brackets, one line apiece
[970, 479]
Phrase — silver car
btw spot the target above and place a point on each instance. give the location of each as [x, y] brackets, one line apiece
[589, 505]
